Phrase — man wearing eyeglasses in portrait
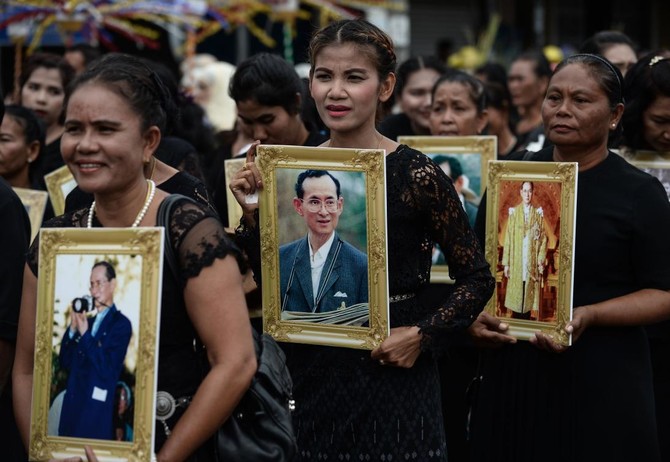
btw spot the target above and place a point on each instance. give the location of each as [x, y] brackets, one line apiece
[93, 350]
[321, 272]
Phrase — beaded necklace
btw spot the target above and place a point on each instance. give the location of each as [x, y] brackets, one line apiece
[151, 192]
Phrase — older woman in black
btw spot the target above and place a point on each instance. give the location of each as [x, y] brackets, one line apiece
[593, 400]
[115, 112]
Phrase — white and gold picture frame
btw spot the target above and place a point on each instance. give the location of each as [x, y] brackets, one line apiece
[35, 202]
[348, 307]
[74, 267]
[467, 157]
[59, 183]
[530, 229]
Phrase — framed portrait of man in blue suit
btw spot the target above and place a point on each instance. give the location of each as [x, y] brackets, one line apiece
[323, 241]
[96, 340]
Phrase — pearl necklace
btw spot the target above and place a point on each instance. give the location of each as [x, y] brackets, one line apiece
[151, 192]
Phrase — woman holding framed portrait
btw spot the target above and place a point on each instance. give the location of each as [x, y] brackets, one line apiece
[115, 113]
[382, 405]
[592, 400]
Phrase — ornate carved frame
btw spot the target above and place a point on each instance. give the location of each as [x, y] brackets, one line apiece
[138, 248]
[371, 164]
[59, 184]
[564, 173]
[35, 202]
[483, 146]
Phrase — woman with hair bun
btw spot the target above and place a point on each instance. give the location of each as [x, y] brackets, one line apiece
[593, 400]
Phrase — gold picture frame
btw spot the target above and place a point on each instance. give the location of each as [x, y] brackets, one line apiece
[655, 163]
[66, 260]
[231, 167]
[363, 180]
[531, 248]
[59, 184]
[35, 202]
[473, 154]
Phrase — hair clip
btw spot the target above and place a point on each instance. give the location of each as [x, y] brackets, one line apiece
[656, 59]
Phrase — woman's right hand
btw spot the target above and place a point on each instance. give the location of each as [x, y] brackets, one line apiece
[489, 331]
[246, 182]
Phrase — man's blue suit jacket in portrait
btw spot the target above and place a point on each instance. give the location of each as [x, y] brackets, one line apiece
[344, 277]
[94, 364]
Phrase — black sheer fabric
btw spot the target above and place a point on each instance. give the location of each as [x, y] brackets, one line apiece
[197, 238]
[348, 407]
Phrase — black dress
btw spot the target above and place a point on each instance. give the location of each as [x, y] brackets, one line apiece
[180, 183]
[595, 401]
[197, 238]
[348, 407]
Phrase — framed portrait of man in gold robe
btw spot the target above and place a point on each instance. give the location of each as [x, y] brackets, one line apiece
[530, 223]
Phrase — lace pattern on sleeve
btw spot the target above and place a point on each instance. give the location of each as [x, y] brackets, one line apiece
[433, 195]
[76, 219]
[198, 238]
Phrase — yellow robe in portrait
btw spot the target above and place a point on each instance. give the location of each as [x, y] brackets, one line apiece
[517, 228]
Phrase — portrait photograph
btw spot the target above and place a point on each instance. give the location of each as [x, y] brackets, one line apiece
[323, 242]
[98, 308]
[35, 202]
[530, 245]
[59, 183]
[464, 159]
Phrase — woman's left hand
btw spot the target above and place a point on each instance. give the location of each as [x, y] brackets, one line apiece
[400, 349]
[582, 317]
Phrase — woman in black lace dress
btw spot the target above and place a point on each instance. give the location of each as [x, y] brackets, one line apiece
[351, 405]
[114, 115]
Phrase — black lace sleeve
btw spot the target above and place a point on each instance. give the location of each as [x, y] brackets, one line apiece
[434, 196]
[198, 238]
[75, 219]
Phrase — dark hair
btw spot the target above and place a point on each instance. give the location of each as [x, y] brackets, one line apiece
[362, 33]
[475, 87]
[136, 82]
[601, 41]
[648, 79]
[300, 192]
[89, 52]
[609, 79]
[33, 126]
[455, 167]
[541, 66]
[269, 80]
[412, 65]
[498, 96]
[492, 73]
[110, 272]
[47, 61]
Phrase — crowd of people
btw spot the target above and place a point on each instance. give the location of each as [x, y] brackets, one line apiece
[449, 382]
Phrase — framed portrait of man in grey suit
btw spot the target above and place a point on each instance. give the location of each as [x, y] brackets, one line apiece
[323, 242]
